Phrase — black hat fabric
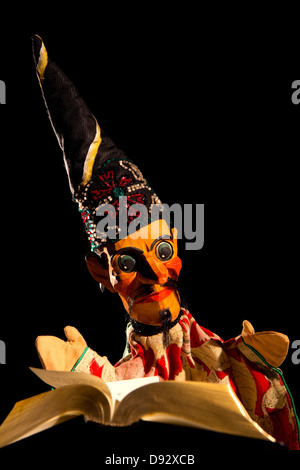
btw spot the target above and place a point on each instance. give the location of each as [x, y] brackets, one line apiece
[100, 175]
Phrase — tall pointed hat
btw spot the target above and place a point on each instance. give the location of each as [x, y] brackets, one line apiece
[100, 175]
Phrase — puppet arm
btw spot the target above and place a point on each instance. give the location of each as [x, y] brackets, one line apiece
[56, 354]
[72, 355]
[272, 346]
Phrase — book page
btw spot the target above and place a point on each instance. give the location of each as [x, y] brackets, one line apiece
[59, 379]
[121, 388]
[114, 391]
[50, 408]
[204, 405]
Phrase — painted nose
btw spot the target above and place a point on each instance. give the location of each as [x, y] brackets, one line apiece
[159, 269]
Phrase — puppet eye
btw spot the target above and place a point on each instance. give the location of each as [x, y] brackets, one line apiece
[164, 251]
[126, 263]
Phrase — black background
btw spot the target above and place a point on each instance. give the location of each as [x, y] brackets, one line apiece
[208, 118]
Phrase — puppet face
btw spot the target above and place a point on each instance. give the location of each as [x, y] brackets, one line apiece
[143, 269]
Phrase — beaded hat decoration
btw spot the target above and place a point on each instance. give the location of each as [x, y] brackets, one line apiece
[100, 175]
[118, 186]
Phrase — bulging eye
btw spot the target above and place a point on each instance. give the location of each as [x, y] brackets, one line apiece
[164, 251]
[126, 263]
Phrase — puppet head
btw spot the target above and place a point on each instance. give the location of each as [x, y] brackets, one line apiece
[133, 247]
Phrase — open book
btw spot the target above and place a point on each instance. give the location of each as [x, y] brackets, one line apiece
[203, 405]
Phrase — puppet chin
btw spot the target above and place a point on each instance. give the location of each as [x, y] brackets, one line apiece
[148, 310]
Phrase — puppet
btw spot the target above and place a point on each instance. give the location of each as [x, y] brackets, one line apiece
[142, 266]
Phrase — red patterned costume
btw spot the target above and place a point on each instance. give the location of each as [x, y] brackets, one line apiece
[195, 353]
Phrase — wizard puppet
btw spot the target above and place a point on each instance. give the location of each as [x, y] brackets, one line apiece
[142, 266]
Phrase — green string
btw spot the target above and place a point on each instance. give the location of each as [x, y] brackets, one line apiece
[77, 362]
[279, 372]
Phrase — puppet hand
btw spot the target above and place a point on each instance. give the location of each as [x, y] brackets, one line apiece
[56, 354]
[272, 346]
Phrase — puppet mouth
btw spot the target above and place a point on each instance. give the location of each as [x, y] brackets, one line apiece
[147, 294]
[154, 296]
